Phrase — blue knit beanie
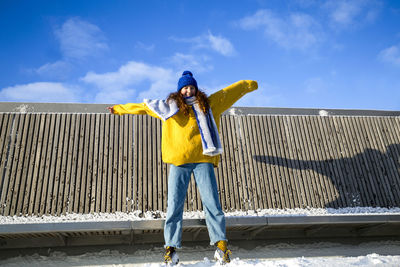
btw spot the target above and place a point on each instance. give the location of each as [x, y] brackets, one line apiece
[186, 79]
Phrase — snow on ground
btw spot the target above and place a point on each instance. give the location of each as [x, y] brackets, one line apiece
[381, 253]
[138, 215]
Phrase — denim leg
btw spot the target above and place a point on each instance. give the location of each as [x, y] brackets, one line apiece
[207, 185]
[178, 181]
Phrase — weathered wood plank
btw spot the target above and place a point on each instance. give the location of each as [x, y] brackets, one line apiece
[336, 167]
[104, 172]
[238, 156]
[253, 170]
[124, 165]
[46, 172]
[100, 163]
[14, 179]
[232, 175]
[26, 179]
[280, 184]
[375, 147]
[383, 132]
[130, 159]
[117, 179]
[60, 119]
[320, 185]
[110, 165]
[292, 171]
[294, 163]
[31, 180]
[139, 150]
[64, 183]
[225, 170]
[159, 172]
[223, 187]
[95, 130]
[275, 187]
[314, 177]
[360, 158]
[305, 164]
[87, 170]
[369, 163]
[74, 182]
[137, 184]
[350, 190]
[53, 178]
[145, 161]
[247, 170]
[264, 158]
[343, 169]
[288, 194]
[70, 169]
[154, 165]
[41, 161]
[82, 165]
[258, 165]
[152, 159]
[323, 155]
[7, 160]
[6, 121]
[389, 134]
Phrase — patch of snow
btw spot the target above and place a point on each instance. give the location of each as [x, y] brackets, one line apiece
[154, 215]
[23, 108]
[323, 112]
[382, 253]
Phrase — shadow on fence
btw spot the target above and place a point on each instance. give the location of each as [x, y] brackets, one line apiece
[368, 179]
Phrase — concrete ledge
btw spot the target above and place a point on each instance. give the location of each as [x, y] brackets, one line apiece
[63, 234]
[62, 227]
[273, 221]
[337, 219]
[20, 107]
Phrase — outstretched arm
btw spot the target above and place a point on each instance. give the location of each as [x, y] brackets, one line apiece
[132, 108]
[225, 98]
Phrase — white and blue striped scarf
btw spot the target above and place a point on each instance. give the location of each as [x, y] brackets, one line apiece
[208, 129]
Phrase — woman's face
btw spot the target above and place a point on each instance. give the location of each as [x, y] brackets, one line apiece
[188, 91]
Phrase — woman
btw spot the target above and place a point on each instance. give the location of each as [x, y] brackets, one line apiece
[190, 144]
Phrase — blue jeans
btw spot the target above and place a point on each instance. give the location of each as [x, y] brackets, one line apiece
[178, 181]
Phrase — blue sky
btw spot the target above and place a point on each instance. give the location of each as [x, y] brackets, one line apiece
[341, 54]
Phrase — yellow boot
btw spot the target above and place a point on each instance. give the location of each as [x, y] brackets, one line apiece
[170, 256]
[222, 252]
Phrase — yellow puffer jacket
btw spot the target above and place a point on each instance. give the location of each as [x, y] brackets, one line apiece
[181, 141]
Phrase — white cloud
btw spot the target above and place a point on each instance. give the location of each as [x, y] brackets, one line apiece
[352, 12]
[123, 84]
[391, 55]
[142, 46]
[220, 44]
[58, 69]
[295, 31]
[209, 41]
[40, 92]
[80, 39]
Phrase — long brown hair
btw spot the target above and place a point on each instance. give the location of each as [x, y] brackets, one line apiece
[201, 98]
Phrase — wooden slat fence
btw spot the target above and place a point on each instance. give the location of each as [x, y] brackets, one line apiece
[58, 163]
